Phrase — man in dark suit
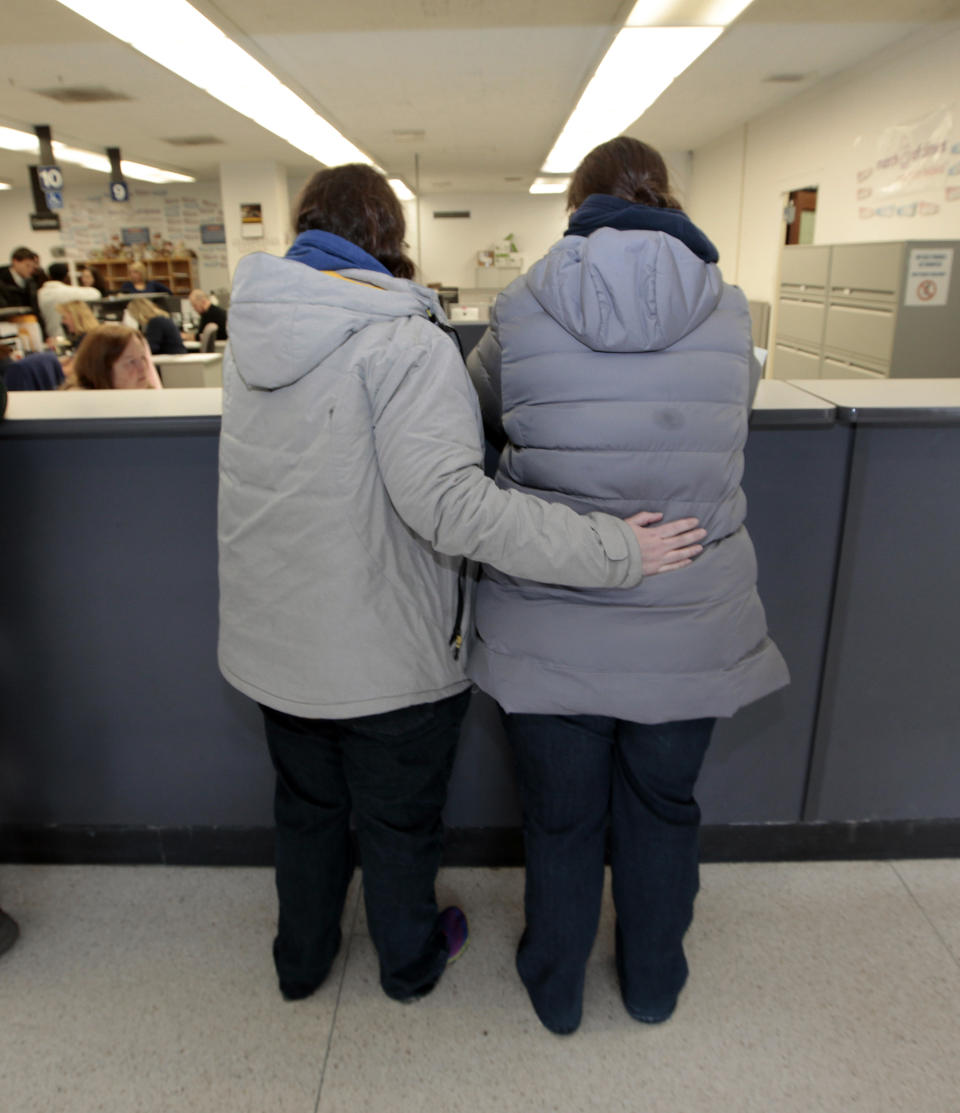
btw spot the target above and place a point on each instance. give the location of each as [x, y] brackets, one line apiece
[17, 283]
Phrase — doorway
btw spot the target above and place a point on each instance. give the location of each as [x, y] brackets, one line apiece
[800, 215]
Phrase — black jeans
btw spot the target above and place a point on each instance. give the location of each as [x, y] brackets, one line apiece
[577, 773]
[392, 771]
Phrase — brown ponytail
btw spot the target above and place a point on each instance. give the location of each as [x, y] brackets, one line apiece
[625, 168]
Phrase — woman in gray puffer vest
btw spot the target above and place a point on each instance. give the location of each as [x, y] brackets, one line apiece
[619, 371]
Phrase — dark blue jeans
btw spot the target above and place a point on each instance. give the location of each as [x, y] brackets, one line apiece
[577, 774]
[390, 770]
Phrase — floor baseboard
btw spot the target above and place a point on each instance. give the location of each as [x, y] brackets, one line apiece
[488, 846]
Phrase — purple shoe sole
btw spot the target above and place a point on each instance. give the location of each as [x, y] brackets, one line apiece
[456, 931]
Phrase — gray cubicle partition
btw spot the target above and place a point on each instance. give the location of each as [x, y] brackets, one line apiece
[888, 742]
[757, 765]
[112, 710]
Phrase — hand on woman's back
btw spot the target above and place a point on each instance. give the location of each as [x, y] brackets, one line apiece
[666, 546]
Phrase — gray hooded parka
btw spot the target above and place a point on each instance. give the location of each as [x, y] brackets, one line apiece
[350, 483]
[622, 368]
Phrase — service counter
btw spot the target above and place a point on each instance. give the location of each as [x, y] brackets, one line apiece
[119, 740]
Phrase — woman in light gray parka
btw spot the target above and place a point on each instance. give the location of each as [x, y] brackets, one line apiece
[620, 372]
[350, 483]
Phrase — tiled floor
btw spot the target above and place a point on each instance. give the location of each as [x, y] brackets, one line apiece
[814, 987]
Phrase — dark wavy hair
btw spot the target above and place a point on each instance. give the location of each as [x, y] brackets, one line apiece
[357, 203]
[625, 168]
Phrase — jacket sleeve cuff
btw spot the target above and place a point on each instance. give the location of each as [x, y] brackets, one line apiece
[620, 545]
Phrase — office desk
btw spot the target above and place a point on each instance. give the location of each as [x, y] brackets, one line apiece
[194, 345]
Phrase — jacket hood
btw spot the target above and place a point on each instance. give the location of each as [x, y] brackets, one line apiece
[625, 290]
[325, 251]
[286, 317]
[601, 210]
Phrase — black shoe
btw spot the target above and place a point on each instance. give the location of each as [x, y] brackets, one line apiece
[646, 1017]
[299, 991]
[8, 932]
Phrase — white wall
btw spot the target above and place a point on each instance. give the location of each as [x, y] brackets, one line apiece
[16, 205]
[824, 138]
[262, 183]
[449, 246]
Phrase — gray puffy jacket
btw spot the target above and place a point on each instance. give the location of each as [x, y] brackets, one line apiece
[622, 367]
[350, 483]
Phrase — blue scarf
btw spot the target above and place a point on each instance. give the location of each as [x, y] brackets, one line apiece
[326, 252]
[600, 210]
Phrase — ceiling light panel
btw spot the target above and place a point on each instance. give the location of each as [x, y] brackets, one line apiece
[660, 39]
[549, 185]
[685, 13]
[182, 40]
[402, 190]
[636, 69]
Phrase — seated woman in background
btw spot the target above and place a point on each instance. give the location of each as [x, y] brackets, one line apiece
[78, 319]
[157, 326]
[113, 357]
[87, 276]
[139, 284]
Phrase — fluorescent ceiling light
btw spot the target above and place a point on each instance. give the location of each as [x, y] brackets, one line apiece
[685, 13]
[549, 185]
[175, 35]
[660, 39]
[402, 190]
[5, 185]
[13, 140]
[636, 69]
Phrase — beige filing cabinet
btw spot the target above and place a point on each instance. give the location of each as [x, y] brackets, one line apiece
[869, 311]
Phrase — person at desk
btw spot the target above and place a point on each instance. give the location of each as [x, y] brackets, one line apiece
[88, 277]
[210, 314]
[18, 284]
[57, 291]
[157, 326]
[113, 357]
[138, 283]
[77, 320]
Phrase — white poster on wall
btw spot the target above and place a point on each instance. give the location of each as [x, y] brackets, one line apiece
[928, 276]
[909, 169]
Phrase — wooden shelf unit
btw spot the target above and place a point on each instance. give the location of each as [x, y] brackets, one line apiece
[180, 275]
